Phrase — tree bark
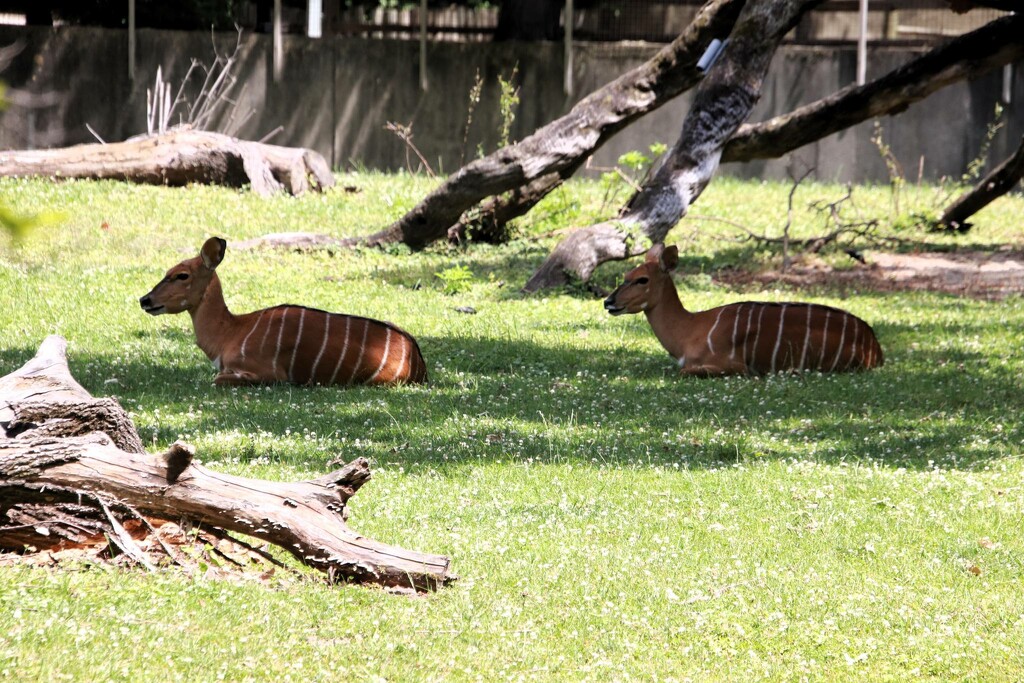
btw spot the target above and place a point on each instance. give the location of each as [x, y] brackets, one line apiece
[991, 46]
[651, 213]
[723, 101]
[63, 476]
[969, 56]
[180, 157]
[562, 146]
[1001, 180]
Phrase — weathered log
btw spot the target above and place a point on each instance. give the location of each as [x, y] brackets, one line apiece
[61, 482]
[998, 182]
[179, 157]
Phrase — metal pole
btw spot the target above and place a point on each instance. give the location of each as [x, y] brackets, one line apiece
[314, 18]
[423, 45]
[278, 47]
[1008, 83]
[131, 40]
[568, 20]
[862, 45]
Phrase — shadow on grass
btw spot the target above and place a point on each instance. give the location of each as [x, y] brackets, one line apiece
[515, 400]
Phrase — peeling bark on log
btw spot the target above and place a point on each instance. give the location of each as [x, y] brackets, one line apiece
[1001, 180]
[723, 101]
[179, 157]
[994, 45]
[562, 146]
[60, 483]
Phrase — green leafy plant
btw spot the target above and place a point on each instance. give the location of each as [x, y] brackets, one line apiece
[455, 280]
[631, 170]
[977, 164]
[507, 103]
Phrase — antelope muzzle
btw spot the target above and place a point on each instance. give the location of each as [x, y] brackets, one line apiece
[151, 307]
[612, 306]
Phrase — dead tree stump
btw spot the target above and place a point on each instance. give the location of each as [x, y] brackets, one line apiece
[72, 469]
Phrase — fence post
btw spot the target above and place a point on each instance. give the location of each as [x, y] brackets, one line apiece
[862, 44]
[568, 21]
[423, 45]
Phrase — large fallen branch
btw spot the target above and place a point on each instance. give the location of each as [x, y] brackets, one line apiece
[722, 102]
[179, 157]
[558, 149]
[72, 468]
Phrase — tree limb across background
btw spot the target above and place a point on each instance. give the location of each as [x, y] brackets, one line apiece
[563, 145]
[722, 102]
[996, 44]
[991, 46]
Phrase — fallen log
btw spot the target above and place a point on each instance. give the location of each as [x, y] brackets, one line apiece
[72, 469]
[180, 157]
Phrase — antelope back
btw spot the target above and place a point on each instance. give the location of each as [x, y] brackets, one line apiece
[309, 346]
[772, 337]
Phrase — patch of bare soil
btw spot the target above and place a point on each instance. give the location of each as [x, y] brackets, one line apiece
[975, 274]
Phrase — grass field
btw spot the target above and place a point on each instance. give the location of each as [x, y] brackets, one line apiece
[608, 519]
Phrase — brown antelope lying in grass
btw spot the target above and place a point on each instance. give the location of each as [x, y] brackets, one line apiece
[284, 343]
[743, 338]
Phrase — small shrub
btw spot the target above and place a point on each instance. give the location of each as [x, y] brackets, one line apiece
[455, 280]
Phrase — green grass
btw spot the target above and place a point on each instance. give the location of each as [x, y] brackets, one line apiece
[608, 519]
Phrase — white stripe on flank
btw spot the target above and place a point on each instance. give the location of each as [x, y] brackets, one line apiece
[746, 334]
[362, 352]
[254, 326]
[344, 348]
[711, 348]
[853, 345]
[295, 349]
[824, 339]
[280, 335]
[842, 338]
[383, 356]
[807, 337]
[735, 327]
[778, 337]
[399, 375]
[323, 347]
[753, 350]
[266, 332]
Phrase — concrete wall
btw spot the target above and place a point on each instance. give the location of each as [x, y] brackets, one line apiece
[336, 95]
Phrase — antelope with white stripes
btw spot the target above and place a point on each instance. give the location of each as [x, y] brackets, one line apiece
[283, 343]
[749, 337]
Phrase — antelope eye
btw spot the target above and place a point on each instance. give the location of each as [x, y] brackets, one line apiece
[641, 281]
[181, 276]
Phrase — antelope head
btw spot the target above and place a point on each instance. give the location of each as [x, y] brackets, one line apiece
[185, 284]
[641, 287]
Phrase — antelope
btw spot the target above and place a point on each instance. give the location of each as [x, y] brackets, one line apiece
[749, 337]
[284, 343]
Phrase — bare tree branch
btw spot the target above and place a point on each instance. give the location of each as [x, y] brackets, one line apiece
[996, 44]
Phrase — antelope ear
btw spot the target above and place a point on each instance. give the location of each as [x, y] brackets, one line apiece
[669, 258]
[212, 252]
[654, 253]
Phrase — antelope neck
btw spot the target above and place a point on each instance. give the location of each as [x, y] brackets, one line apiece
[212, 320]
[669, 320]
